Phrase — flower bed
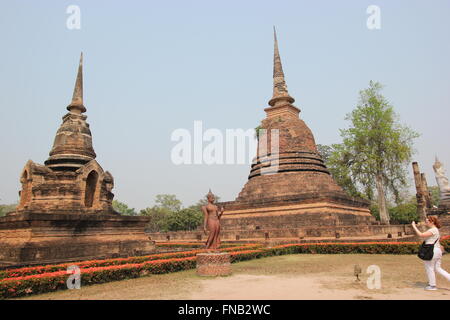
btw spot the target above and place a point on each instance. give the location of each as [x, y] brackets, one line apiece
[20, 272]
[20, 284]
[47, 282]
[194, 244]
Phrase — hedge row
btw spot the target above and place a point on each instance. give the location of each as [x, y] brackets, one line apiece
[56, 280]
[48, 282]
[193, 244]
[20, 272]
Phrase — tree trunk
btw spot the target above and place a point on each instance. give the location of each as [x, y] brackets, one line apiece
[384, 214]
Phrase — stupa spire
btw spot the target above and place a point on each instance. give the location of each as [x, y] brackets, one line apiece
[72, 147]
[77, 99]
[280, 92]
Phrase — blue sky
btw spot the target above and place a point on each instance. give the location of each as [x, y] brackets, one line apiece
[151, 67]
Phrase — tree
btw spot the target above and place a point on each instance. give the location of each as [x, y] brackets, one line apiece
[376, 148]
[435, 195]
[185, 219]
[158, 219]
[6, 208]
[122, 208]
[168, 201]
[405, 212]
[324, 151]
[336, 161]
[402, 213]
[168, 215]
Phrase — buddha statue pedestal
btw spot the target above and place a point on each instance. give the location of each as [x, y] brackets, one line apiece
[212, 264]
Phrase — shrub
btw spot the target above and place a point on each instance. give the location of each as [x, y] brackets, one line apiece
[20, 272]
[47, 282]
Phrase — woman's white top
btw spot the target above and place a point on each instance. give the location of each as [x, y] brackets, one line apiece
[434, 237]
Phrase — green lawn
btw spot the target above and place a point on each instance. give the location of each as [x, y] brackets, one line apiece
[330, 275]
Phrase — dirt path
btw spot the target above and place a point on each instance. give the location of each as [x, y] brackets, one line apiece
[262, 287]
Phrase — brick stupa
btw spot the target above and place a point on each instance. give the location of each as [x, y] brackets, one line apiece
[71, 181]
[299, 192]
[65, 211]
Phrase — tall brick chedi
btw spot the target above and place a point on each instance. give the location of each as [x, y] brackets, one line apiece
[290, 186]
[65, 211]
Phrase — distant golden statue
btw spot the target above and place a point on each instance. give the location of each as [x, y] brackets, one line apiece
[211, 222]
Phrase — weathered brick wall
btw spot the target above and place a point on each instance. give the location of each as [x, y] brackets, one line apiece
[359, 231]
[40, 238]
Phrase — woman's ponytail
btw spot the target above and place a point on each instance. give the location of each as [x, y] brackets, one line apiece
[435, 221]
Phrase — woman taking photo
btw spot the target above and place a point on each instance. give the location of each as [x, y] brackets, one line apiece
[432, 237]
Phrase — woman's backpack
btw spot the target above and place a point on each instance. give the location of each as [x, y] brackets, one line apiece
[426, 251]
